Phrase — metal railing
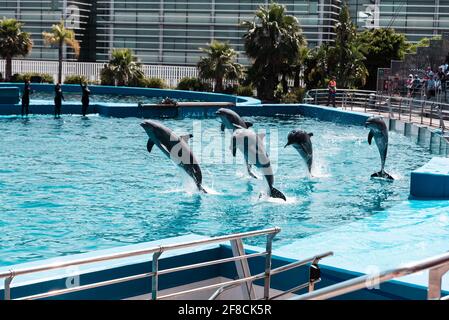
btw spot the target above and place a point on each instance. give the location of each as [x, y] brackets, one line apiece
[314, 276]
[239, 257]
[438, 266]
[432, 112]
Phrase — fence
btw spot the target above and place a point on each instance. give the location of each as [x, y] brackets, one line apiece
[91, 70]
[432, 112]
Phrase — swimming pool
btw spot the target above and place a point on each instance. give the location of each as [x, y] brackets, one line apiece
[75, 185]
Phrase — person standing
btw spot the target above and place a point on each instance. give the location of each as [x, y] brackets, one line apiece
[430, 86]
[332, 91]
[58, 100]
[85, 98]
[409, 85]
[26, 98]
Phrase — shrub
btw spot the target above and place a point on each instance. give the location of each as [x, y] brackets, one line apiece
[296, 95]
[75, 79]
[231, 89]
[138, 82]
[44, 77]
[193, 84]
[245, 91]
[155, 83]
[107, 77]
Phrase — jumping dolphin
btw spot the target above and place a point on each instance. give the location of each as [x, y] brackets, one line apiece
[300, 140]
[175, 147]
[252, 148]
[229, 118]
[379, 131]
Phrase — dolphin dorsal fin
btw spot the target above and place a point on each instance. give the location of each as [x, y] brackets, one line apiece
[370, 136]
[186, 137]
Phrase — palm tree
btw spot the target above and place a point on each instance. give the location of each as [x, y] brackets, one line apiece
[349, 64]
[219, 64]
[124, 67]
[272, 40]
[60, 36]
[13, 42]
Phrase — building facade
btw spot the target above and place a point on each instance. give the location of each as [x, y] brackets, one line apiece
[172, 31]
[159, 31]
[415, 18]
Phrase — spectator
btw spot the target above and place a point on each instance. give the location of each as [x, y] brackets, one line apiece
[409, 85]
[442, 78]
[332, 91]
[430, 86]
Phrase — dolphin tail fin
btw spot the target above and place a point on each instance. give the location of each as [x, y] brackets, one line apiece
[275, 193]
[382, 174]
[201, 188]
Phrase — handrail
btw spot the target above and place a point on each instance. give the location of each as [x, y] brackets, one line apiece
[157, 251]
[315, 259]
[437, 266]
[417, 110]
[162, 248]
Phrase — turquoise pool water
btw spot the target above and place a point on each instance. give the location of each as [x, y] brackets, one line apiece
[74, 185]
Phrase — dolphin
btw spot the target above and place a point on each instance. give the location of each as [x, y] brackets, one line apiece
[300, 140]
[252, 148]
[175, 147]
[229, 118]
[379, 131]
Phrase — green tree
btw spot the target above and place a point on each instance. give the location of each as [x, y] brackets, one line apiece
[424, 42]
[316, 67]
[380, 46]
[60, 36]
[348, 60]
[13, 42]
[272, 41]
[124, 68]
[219, 64]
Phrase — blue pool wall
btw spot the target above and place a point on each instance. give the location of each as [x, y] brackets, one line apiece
[56, 279]
[149, 92]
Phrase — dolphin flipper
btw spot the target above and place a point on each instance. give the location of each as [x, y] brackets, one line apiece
[248, 124]
[370, 136]
[275, 193]
[382, 174]
[248, 167]
[150, 145]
